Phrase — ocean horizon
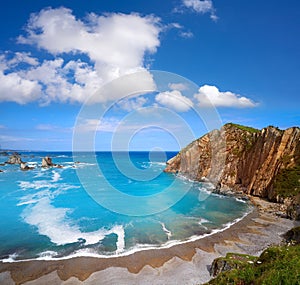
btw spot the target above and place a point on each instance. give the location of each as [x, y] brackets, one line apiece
[48, 213]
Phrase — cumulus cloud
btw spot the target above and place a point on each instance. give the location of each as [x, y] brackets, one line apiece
[201, 6]
[113, 45]
[15, 88]
[211, 95]
[174, 100]
[116, 43]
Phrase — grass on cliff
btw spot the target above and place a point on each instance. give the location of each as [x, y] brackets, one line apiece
[287, 182]
[276, 265]
[244, 128]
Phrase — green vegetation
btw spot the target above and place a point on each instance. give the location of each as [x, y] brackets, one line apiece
[244, 128]
[276, 265]
[287, 182]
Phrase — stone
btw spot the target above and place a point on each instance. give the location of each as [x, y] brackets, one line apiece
[47, 162]
[14, 159]
[24, 166]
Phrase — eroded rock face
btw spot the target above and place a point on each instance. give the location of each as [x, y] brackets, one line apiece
[240, 159]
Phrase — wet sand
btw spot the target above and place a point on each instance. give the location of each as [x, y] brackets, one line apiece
[186, 263]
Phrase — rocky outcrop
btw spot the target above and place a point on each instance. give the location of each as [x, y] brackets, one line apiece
[47, 162]
[231, 261]
[242, 159]
[14, 159]
[25, 167]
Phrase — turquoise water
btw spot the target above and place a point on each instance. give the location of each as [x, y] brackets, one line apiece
[47, 213]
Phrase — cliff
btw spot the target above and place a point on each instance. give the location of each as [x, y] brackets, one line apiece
[263, 163]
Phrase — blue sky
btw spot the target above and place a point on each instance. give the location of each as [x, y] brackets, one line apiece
[243, 58]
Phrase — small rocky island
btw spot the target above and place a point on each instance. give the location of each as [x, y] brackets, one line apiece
[243, 160]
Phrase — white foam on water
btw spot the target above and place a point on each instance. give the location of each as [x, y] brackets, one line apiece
[47, 255]
[56, 176]
[168, 232]
[11, 258]
[203, 221]
[54, 223]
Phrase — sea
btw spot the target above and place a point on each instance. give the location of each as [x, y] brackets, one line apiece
[97, 205]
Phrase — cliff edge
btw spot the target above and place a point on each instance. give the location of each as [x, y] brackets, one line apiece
[263, 163]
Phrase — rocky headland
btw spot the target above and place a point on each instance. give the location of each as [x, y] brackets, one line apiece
[242, 160]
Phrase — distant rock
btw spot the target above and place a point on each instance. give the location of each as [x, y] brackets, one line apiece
[47, 162]
[4, 153]
[24, 166]
[14, 159]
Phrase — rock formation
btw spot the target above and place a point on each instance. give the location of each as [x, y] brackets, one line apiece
[243, 159]
[47, 162]
[24, 166]
[14, 159]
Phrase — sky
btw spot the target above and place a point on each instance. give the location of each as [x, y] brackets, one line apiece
[140, 75]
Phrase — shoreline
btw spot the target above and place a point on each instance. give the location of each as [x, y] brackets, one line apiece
[251, 235]
[132, 251]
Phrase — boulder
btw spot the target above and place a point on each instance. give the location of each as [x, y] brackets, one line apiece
[24, 166]
[47, 162]
[229, 262]
[14, 159]
[292, 236]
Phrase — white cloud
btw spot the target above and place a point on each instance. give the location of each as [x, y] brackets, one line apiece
[115, 44]
[174, 100]
[186, 34]
[201, 6]
[210, 95]
[15, 88]
[178, 86]
[23, 57]
[130, 104]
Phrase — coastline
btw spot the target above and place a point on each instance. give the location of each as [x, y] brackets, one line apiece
[186, 263]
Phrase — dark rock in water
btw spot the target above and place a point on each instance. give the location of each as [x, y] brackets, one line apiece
[15, 159]
[4, 153]
[1, 170]
[24, 166]
[47, 162]
[293, 236]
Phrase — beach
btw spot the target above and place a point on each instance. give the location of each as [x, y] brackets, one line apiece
[186, 263]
